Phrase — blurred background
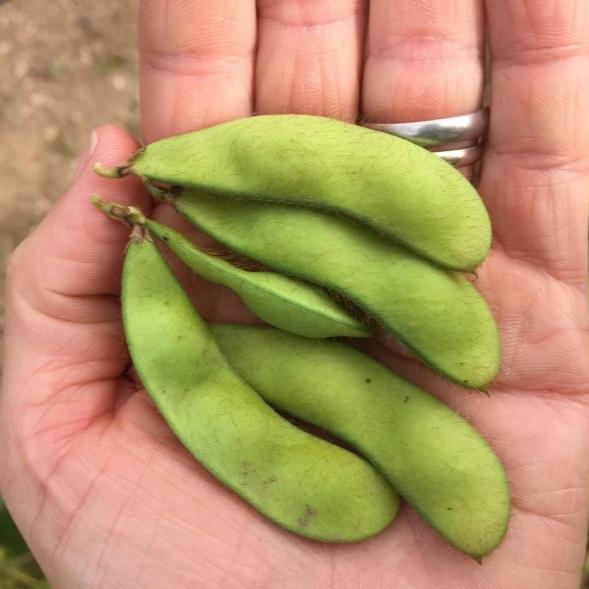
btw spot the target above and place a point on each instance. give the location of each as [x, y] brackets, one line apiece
[66, 66]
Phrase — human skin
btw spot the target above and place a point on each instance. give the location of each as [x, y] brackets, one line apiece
[105, 495]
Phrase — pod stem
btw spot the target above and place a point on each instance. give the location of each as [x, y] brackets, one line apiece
[116, 172]
[139, 233]
[130, 216]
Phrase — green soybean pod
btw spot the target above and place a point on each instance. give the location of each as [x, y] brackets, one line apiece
[437, 313]
[301, 482]
[401, 190]
[281, 301]
[431, 455]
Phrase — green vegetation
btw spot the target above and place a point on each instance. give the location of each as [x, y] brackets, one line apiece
[18, 569]
[104, 65]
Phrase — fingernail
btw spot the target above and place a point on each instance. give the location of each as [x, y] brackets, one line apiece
[86, 154]
[93, 141]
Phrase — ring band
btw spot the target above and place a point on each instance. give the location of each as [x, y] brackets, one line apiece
[462, 157]
[438, 133]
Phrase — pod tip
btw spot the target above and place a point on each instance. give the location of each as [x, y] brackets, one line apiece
[101, 204]
[116, 172]
[128, 215]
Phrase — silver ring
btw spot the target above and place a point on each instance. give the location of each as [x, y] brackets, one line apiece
[438, 132]
[462, 157]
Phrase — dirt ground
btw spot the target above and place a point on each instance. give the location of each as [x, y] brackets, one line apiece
[66, 66]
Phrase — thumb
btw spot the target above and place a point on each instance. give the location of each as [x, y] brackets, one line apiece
[62, 326]
[76, 251]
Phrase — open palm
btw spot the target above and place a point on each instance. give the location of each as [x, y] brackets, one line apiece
[100, 487]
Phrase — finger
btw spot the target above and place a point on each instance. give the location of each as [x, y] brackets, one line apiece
[309, 56]
[424, 60]
[195, 63]
[535, 178]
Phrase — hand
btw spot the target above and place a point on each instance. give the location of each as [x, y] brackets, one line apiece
[99, 486]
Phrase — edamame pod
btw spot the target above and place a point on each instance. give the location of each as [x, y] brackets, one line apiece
[432, 456]
[299, 481]
[401, 190]
[281, 301]
[435, 312]
[287, 303]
